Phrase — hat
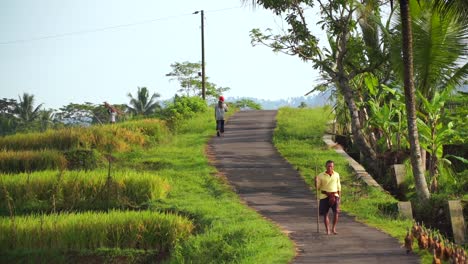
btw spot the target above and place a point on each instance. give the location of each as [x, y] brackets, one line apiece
[221, 98]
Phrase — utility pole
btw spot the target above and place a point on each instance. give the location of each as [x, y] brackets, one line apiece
[203, 51]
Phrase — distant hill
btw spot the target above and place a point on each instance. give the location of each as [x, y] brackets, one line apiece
[311, 101]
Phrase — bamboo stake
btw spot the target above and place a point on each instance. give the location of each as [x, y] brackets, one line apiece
[317, 198]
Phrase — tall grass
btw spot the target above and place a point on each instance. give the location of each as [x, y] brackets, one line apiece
[49, 191]
[28, 160]
[104, 138]
[156, 130]
[90, 230]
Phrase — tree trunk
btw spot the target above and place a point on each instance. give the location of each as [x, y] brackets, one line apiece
[410, 102]
[342, 78]
[370, 156]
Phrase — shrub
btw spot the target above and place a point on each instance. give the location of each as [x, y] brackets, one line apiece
[82, 159]
[183, 108]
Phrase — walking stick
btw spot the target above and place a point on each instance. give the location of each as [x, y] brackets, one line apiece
[317, 198]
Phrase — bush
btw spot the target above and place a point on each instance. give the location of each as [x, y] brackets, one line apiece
[183, 108]
[82, 159]
[434, 214]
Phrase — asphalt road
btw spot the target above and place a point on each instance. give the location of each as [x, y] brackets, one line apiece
[271, 186]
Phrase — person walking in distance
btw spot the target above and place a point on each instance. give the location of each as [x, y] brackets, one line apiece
[220, 108]
[328, 186]
[112, 112]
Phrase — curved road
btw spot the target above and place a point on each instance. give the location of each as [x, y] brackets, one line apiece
[270, 185]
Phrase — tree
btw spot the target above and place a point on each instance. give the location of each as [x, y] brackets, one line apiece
[346, 57]
[46, 118]
[188, 76]
[25, 109]
[79, 114]
[8, 120]
[247, 103]
[438, 48]
[143, 104]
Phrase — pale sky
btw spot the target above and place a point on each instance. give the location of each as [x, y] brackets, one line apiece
[64, 51]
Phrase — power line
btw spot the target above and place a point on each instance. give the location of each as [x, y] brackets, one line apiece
[106, 28]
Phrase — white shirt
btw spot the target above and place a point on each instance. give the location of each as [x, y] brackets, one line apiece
[219, 112]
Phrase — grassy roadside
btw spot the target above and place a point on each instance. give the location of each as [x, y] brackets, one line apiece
[298, 137]
[226, 230]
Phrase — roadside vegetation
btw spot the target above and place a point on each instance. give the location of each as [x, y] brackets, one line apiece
[298, 137]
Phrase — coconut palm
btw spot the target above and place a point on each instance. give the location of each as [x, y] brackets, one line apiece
[143, 104]
[439, 45]
[422, 189]
[438, 42]
[46, 118]
[25, 110]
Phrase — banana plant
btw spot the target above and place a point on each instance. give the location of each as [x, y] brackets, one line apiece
[386, 112]
[434, 133]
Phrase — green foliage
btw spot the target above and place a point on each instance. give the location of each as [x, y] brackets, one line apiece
[25, 108]
[188, 74]
[143, 104]
[227, 231]
[456, 111]
[183, 108]
[247, 103]
[298, 137]
[50, 191]
[439, 45]
[91, 230]
[387, 115]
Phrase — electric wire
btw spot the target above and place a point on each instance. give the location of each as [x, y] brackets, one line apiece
[81, 32]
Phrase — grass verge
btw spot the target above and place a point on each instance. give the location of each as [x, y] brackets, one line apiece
[227, 231]
[298, 137]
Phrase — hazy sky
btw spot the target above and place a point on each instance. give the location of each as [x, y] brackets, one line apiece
[65, 51]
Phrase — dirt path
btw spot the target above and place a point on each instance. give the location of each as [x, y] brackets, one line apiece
[274, 188]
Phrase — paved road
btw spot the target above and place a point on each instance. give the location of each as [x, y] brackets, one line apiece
[274, 188]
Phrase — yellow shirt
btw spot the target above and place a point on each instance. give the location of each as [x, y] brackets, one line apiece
[328, 183]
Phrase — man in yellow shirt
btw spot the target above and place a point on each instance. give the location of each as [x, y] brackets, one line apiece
[328, 186]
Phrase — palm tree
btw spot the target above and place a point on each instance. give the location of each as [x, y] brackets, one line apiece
[143, 104]
[439, 45]
[25, 108]
[438, 40]
[422, 190]
[47, 118]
